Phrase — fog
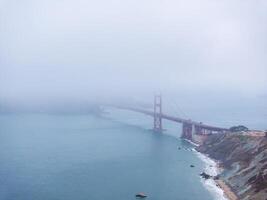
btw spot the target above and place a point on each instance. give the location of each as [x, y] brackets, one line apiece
[57, 51]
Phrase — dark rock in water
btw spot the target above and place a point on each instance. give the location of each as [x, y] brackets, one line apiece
[140, 195]
[192, 165]
[179, 148]
[205, 175]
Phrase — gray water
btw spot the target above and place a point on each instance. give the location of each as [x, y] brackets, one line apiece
[86, 157]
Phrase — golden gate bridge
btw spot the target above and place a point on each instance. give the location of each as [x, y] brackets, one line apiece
[192, 130]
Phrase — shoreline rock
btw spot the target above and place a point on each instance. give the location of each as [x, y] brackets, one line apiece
[205, 175]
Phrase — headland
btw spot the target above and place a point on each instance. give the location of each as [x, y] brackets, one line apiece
[242, 158]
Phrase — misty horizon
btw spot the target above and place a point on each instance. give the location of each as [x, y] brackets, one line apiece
[72, 55]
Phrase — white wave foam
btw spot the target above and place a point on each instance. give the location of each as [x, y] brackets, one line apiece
[211, 165]
[195, 144]
[216, 192]
[211, 169]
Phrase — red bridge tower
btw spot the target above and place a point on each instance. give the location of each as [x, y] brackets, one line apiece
[157, 113]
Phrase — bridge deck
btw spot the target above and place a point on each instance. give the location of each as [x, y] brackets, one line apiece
[175, 119]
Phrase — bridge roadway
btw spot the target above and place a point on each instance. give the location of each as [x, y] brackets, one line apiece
[175, 119]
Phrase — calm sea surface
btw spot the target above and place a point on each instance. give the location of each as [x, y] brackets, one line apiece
[86, 157]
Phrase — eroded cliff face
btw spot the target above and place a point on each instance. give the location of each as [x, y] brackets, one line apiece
[244, 159]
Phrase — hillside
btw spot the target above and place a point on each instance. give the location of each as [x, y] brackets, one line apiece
[244, 160]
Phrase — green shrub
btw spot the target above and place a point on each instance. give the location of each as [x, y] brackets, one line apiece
[238, 128]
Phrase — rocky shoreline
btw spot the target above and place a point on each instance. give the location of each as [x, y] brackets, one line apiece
[227, 190]
[243, 160]
[213, 176]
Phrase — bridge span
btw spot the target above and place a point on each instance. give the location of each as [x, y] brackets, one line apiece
[192, 130]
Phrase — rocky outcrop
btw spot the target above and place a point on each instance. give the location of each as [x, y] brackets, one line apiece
[205, 175]
[244, 159]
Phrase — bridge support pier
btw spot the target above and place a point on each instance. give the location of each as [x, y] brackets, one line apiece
[157, 113]
[187, 131]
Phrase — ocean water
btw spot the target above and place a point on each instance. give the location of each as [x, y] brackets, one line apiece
[88, 157]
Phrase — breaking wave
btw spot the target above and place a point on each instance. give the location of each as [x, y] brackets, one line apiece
[211, 169]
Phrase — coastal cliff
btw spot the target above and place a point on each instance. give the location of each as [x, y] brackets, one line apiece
[243, 158]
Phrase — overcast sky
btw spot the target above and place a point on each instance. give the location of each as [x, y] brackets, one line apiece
[65, 48]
